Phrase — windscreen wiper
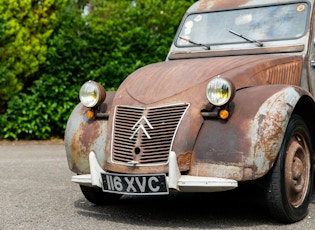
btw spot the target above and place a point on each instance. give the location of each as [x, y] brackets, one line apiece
[259, 43]
[194, 43]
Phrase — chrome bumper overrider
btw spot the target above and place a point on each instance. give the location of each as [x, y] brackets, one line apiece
[181, 183]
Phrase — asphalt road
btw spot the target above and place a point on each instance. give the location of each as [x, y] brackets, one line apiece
[36, 193]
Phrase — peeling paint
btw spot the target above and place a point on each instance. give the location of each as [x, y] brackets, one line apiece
[269, 126]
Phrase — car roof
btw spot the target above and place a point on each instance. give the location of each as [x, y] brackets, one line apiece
[213, 5]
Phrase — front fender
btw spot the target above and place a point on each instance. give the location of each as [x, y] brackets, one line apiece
[83, 136]
[246, 146]
[268, 128]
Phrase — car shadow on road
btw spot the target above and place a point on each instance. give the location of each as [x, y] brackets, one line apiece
[242, 207]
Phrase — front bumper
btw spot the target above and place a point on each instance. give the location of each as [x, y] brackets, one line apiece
[175, 181]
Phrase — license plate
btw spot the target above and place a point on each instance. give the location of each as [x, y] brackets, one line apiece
[152, 184]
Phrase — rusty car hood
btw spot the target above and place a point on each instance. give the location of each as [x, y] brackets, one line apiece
[163, 80]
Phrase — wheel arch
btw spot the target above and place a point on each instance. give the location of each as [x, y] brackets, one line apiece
[276, 113]
[307, 115]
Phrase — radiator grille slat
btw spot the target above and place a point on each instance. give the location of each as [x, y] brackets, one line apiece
[145, 135]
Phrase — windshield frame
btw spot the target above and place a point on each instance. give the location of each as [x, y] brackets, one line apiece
[241, 42]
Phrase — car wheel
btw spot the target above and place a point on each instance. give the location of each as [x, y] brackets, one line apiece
[290, 180]
[96, 196]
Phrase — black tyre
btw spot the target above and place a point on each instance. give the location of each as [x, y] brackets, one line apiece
[97, 196]
[291, 178]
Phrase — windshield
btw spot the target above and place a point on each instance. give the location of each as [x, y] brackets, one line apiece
[277, 22]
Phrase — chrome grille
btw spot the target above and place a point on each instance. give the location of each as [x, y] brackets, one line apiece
[145, 135]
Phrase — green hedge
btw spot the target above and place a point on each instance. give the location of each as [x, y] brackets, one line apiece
[25, 28]
[108, 44]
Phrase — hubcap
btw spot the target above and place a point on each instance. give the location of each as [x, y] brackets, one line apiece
[297, 169]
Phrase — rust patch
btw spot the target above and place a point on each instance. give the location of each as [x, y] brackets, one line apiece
[184, 161]
[89, 133]
[273, 135]
[215, 170]
[222, 4]
[82, 138]
[76, 153]
[269, 127]
[135, 169]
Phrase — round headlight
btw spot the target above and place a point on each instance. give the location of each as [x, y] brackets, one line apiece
[220, 91]
[92, 94]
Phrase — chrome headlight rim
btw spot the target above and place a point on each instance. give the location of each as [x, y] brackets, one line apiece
[92, 94]
[220, 91]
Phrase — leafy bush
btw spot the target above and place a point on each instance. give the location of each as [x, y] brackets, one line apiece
[41, 111]
[116, 38]
[25, 27]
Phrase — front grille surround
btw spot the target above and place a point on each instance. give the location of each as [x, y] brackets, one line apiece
[144, 136]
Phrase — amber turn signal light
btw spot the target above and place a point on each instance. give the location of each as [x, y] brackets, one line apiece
[89, 114]
[224, 114]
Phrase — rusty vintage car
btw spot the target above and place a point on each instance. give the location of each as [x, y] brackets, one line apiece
[232, 103]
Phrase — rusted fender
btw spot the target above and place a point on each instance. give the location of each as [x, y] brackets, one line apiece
[246, 146]
[83, 136]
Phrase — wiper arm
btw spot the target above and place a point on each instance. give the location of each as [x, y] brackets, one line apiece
[194, 43]
[259, 43]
